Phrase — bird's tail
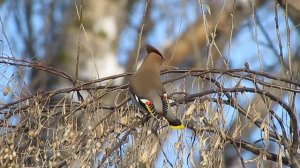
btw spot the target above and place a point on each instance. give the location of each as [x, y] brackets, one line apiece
[177, 126]
[173, 121]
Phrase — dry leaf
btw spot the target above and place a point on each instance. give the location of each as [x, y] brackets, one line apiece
[190, 110]
[192, 157]
[6, 90]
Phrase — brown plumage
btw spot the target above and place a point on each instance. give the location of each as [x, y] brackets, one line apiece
[147, 90]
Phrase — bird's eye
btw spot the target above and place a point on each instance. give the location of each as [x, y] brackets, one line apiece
[148, 103]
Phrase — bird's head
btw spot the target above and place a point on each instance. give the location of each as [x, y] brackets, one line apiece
[154, 53]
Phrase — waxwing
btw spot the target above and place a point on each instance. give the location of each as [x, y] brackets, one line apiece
[147, 90]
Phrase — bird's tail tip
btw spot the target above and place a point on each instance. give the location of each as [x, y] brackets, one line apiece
[177, 126]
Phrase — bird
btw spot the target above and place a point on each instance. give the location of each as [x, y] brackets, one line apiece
[147, 90]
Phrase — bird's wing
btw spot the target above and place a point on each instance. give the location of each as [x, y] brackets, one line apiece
[146, 105]
[161, 106]
[171, 118]
[160, 103]
[165, 103]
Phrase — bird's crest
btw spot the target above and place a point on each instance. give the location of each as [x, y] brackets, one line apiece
[150, 49]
